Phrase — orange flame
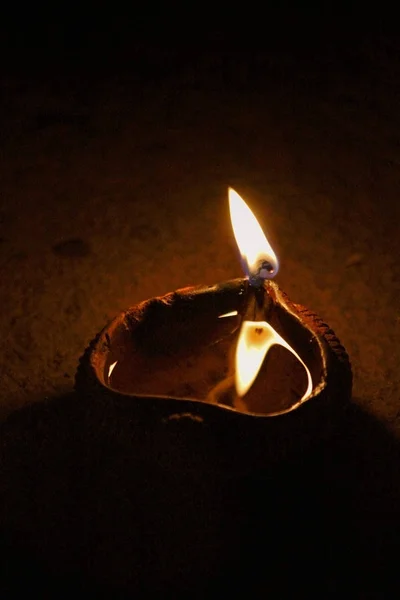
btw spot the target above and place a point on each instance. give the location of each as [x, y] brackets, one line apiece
[260, 262]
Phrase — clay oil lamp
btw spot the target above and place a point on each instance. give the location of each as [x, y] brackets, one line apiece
[228, 376]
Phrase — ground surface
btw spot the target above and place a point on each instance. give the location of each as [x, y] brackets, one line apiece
[114, 189]
[138, 173]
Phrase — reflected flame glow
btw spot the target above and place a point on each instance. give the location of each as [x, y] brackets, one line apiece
[255, 340]
[233, 313]
[111, 369]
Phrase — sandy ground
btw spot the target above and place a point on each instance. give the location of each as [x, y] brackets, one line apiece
[114, 189]
[138, 174]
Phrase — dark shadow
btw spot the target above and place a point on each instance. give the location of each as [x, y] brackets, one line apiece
[92, 502]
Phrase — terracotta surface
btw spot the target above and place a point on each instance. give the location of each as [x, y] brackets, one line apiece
[114, 189]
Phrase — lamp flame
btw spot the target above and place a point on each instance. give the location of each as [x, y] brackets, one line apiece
[258, 258]
[260, 262]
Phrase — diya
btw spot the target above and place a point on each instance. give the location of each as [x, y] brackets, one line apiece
[228, 377]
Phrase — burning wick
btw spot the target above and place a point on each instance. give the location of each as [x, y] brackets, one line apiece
[258, 259]
[260, 263]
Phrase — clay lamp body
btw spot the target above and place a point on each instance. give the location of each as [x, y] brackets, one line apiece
[232, 376]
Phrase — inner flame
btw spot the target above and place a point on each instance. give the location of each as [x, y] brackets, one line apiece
[260, 262]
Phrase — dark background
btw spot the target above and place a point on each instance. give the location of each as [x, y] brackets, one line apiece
[119, 138]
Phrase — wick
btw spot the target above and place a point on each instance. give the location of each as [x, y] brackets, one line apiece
[257, 307]
[263, 271]
[258, 302]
